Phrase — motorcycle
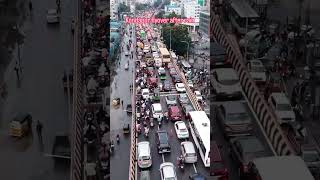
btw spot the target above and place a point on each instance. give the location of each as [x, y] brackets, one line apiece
[111, 148]
[181, 163]
[118, 139]
[151, 122]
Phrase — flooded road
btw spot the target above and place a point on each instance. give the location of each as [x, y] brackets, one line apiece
[47, 51]
[120, 88]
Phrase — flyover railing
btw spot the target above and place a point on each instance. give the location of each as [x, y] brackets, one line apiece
[267, 118]
[76, 168]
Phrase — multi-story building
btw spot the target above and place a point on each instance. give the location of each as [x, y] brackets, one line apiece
[204, 23]
[172, 8]
[192, 10]
[114, 5]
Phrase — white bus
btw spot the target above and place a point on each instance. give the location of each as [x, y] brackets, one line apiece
[241, 14]
[279, 168]
[165, 55]
[200, 131]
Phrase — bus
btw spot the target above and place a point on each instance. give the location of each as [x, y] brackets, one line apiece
[200, 131]
[279, 168]
[165, 55]
[241, 15]
[185, 66]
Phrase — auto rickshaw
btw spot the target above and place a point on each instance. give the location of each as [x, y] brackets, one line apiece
[126, 128]
[21, 125]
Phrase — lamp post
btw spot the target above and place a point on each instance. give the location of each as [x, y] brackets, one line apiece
[187, 50]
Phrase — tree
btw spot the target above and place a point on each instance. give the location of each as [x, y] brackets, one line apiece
[140, 6]
[124, 8]
[172, 15]
[179, 33]
[160, 14]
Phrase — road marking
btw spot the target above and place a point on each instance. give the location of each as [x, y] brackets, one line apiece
[163, 158]
[194, 168]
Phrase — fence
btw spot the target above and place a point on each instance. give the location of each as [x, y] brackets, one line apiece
[132, 167]
[266, 116]
[77, 117]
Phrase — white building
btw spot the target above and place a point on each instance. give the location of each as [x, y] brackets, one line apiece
[114, 5]
[168, 9]
[192, 10]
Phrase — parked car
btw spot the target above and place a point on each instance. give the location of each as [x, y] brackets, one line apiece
[226, 84]
[181, 130]
[168, 171]
[163, 142]
[217, 166]
[180, 87]
[174, 113]
[53, 16]
[183, 99]
[235, 118]
[244, 149]
[171, 100]
[167, 85]
[198, 95]
[186, 108]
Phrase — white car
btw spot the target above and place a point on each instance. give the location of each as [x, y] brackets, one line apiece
[161, 71]
[180, 87]
[226, 83]
[257, 71]
[181, 130]
[198, 95]
[53, 16]
[126, 53]
[168, 171]
[145, 93]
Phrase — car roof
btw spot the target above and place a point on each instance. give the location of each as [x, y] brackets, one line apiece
[168, 169]
[180, 124]
[157, 106]
[144, 148]
[250, 143]
[145, 90]
[174, 108]
[188, 145]
[226, 73]
[280, 98]
[234, 107]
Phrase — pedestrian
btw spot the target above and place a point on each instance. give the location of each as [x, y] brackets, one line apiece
[16, 68]
[39, 130]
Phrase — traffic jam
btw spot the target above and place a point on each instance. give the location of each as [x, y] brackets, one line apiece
[173, 136]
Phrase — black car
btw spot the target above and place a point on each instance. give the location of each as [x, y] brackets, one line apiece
[197, 176]
[163, 142]
[176, 79]
[167, 85]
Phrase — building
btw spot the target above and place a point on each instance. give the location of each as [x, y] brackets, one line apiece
[204, 23]
[172, 8]
[192, 10]
[114, 6]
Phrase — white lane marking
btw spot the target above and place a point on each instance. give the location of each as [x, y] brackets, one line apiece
[162, 158]
[194, 168]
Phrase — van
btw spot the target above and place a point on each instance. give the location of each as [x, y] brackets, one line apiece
[144, 154]
[156, 110]
[185, 66]
[281, 104]
[188, 152]
[145, 93]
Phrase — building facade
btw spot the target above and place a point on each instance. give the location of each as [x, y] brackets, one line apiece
[172, 8]
[192, 10]
[204, 23]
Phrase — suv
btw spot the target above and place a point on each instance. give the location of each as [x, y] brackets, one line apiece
[163, 142]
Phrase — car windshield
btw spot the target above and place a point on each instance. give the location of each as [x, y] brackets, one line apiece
[183, 97]
[283, 107]
[311, 157]
[145, 157]
[180, 85]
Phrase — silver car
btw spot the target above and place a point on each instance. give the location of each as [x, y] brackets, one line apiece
[171, 100]
[183, 99]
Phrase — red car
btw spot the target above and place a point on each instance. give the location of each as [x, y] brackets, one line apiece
[174, 113]
[217, 167]
[152, 82]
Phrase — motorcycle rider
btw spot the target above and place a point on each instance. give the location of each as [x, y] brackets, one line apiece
[111, 146]
[181, 161]
[118, 138]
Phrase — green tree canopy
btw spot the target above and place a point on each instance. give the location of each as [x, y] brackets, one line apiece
[160, 14]
[179, 34]
[124, 8]
[140, 6]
